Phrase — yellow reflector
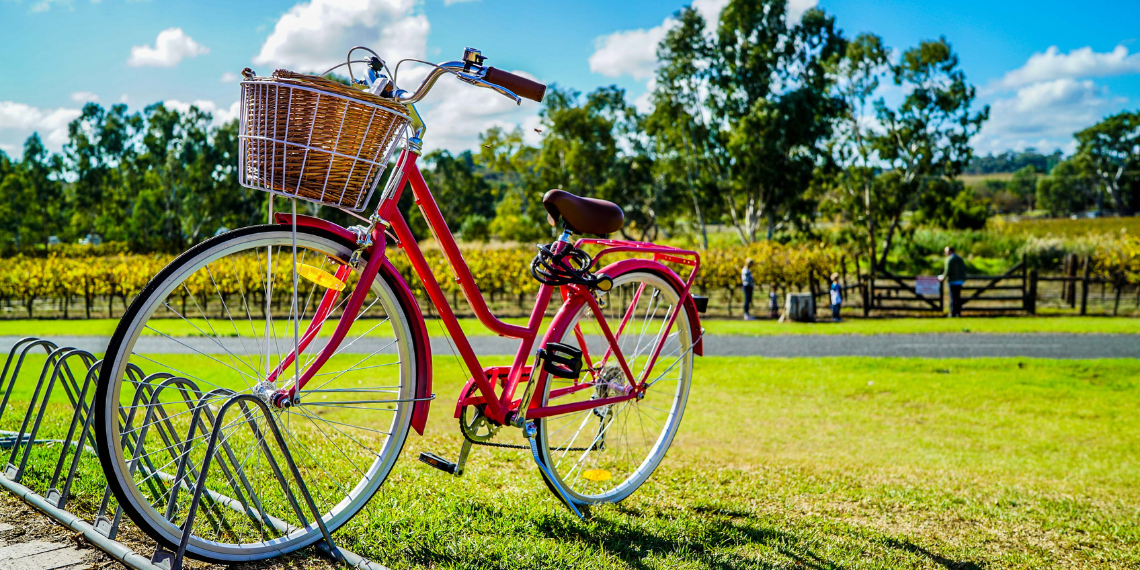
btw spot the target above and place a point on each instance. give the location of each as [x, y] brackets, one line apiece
[596, 475]
[320, 277]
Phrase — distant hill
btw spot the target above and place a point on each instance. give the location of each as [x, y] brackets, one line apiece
[1011, 161]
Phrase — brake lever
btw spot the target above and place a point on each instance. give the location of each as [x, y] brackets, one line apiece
[496, 88]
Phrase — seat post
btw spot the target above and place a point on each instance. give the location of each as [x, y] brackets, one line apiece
[565, 237]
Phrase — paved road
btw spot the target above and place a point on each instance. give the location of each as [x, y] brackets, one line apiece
[943, 345]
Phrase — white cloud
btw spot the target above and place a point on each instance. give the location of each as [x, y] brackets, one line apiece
[220, 114]
[632, 52]
[230, 77]
[315, 35]
[1077, 64]
[457, 113]
[796, 9]
[84, 97]
[710, 11]
[124, 98]
[19, 120]
[170, 47]
[1044, 115]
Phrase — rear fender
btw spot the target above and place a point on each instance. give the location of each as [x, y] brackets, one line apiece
[626, 265]
[407, 300]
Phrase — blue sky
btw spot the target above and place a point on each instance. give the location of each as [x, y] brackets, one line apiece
[1046, 67]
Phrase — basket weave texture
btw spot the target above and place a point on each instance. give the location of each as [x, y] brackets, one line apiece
[315, 139]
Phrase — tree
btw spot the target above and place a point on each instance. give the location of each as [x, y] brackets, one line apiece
[42, 189]
[772, 91]
[1111, 150]
[854, 191]
[460, 193]
[1067, 190]
[951, 205]
[1024, 185]
[688, 149]
[928, 135]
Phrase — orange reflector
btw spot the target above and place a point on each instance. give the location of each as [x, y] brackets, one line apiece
[596, 475]
[320, 277]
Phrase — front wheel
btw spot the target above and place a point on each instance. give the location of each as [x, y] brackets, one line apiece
[218, 321]
[603, 454]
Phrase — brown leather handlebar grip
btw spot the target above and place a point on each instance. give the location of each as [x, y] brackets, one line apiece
[520, 86]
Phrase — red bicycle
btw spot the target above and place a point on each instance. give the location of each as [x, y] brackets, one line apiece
[313, 319]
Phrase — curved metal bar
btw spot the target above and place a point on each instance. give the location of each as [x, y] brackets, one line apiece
[56, 495]
[211, 449]
[48, 346]
[13, 471]
[456, 68]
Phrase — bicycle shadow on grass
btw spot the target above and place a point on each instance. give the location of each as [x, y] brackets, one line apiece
[715, 544]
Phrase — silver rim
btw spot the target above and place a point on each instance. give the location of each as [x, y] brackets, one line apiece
[605, 454]
[208, 326]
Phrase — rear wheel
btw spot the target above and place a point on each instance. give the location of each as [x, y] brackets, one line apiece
[604, 454]
[218, 321]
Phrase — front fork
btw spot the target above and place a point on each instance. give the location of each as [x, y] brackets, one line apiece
[286, 397]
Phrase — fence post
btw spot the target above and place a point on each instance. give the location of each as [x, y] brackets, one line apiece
[1118, 285]
[1085, 288]
[1031, 294]
[1070, 287]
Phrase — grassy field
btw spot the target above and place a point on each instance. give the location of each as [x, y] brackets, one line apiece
[807, 463]
[472, 327]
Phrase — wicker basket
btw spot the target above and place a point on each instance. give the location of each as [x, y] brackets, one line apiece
[311, 138]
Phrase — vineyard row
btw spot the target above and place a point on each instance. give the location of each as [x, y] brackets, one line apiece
[502, 274]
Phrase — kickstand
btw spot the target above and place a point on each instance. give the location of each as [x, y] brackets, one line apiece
[530, 431]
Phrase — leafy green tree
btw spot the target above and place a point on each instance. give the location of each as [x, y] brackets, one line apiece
[928, 134]
[853, 192]
[951, 205]
[772, 89]
[459, 191]
[1111, 150]
[689, 151]
[43, 189]
[1067, 190]
[1024, 185]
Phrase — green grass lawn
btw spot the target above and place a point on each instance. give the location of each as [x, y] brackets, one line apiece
[472, 327]
[806, 463]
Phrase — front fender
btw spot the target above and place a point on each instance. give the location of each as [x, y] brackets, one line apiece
[412, 311]
[626, 265]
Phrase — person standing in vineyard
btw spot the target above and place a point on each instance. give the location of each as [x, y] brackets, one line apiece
[836, 297]
[955, 275]
[749, 284]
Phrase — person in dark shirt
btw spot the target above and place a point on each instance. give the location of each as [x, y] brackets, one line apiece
[748, 284]
[836, 294]
[955, 275]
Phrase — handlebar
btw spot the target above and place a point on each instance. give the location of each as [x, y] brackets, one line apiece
[524, 87]
[503, 82]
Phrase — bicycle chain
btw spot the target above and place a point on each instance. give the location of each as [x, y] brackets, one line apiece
[511, 445]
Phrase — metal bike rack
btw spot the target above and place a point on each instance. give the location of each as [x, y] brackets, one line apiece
[76, 371]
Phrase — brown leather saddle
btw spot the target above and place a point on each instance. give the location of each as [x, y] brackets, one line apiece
[583, 215]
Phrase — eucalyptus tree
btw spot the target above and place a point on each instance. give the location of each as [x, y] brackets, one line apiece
[853, 192]
[752, 109]
[98, 156]
[1110, 151]
[688, 148]
[928, 135]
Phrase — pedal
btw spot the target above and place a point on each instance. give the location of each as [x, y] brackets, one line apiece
[439, 463]
[561, 360]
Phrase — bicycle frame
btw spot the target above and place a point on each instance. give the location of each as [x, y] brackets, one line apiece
[498, 405]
